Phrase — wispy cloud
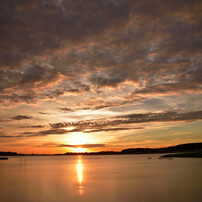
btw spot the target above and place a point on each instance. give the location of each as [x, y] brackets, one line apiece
[131, 119]
[111, 129]
[15, 118]
[21, 117]
[73, 146]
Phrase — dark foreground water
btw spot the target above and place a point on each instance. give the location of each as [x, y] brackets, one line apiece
[100, 178]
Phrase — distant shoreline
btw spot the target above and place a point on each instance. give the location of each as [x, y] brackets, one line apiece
[184, 155]
[182, 148]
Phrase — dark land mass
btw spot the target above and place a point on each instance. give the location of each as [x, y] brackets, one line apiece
[184, 155]
[3, 158]
[172, 149]
[189, 147]
[8, 154]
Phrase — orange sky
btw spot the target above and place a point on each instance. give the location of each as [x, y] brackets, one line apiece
[101, 75]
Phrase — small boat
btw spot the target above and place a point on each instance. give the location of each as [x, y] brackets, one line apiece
[3, 158]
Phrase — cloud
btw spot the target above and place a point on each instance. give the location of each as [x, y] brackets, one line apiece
[21, 117]
[2, 133]
[110, 129]
[34, 126]
[6, 136]
[65, 109]
[111, 124]
[57, 131]
[73, 146]
[162, 117]
[102, 81]
[40, 133]
[131, 119]
[101, 103]
[44, 113]
[40, 90]
[49, 50]
[83, 145]
[189, 82]
[62, 19]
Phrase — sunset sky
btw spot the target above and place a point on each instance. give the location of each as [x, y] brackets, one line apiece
[99, 74]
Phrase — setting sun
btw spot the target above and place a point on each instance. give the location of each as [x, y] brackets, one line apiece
[78, 139]
[79, 149]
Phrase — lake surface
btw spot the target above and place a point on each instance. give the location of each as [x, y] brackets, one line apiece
[110, 178]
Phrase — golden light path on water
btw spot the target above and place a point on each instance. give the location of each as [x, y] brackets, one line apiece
[79, 168]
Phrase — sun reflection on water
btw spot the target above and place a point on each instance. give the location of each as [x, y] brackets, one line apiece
[79, 168]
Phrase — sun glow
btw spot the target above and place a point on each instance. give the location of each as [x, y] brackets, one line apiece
[80, 149]
[78, 142]
[78, 139]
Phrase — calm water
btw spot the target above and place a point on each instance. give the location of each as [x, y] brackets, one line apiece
[100, 178]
